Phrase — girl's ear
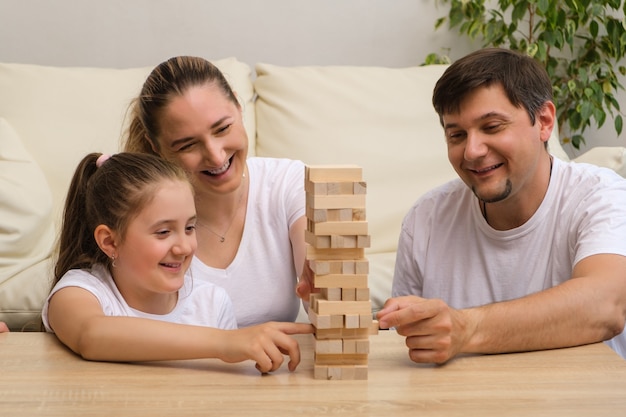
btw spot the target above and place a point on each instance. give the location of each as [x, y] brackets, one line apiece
[105, 238]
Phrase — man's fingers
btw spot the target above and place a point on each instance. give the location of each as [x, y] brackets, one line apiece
[409, 313]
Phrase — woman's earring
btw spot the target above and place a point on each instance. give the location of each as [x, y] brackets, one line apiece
[113, 261]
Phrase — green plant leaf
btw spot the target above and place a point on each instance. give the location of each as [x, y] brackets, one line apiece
[577, 140]
[581, 43]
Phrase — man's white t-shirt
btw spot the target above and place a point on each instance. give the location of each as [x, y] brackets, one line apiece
[261, 279]
[448, 251]
[199, 303]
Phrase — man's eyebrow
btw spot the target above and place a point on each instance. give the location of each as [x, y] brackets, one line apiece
[181, 141]
[482, 117]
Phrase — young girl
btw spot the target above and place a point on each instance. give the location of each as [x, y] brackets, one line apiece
[122, 291]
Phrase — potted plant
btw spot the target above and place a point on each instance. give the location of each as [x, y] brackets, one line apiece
[581, 43]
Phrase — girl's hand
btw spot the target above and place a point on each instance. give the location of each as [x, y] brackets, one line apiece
[265, 344]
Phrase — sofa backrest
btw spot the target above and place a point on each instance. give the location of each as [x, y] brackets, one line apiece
[63, 113]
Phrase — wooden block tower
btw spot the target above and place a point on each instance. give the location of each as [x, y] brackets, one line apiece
[337, 234]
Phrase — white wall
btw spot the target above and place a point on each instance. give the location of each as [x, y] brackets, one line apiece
[124, 33]
[128, 33]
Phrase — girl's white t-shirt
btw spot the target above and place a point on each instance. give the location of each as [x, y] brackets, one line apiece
[199, 303]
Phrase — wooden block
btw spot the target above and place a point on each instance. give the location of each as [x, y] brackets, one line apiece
[325, 307]
[361, 266]
[349, 346]
[329, 346]
[342, 333]
[363, 346]
[325, 321]
[363, 241]
[348, 373]
[348, 267]
[341, 359]
[334, 254]
[340, 215]
[340, 372]
[360, 372]
[374, 327]
[332, 294]
[349, 294]
[314, 187]
[313, 297]
[336, 266]
[335, 201]
[351, 321]
[320, 322]
[336, 321]
[359, 187]
[335, 215]
[320, 371]
[340, 242]
[365, 321]
[334, 372]
[358, 214]
[341, 188]
[321, 334]
[338, 228]
[340, 281]
[362, 294]
[320, 267]
[317, 215]
[336, 241]
[328, 173]
[321, 242]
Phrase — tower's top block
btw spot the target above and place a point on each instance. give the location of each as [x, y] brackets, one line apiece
[330, 173]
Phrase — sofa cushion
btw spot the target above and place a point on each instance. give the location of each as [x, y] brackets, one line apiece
[26, 230]
[613, 157]
[63, 113]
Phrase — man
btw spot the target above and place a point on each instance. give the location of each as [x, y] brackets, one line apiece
[524, 252]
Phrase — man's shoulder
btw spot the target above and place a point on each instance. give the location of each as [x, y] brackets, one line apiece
[583, 174]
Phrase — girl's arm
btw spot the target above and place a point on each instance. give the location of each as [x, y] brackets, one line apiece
[77, 318]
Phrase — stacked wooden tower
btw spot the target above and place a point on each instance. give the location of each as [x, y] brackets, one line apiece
[337, 234]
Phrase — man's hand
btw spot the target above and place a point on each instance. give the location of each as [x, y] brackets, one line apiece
[435, 332]
[3, 327]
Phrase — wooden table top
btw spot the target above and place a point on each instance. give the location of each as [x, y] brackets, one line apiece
[39, 376]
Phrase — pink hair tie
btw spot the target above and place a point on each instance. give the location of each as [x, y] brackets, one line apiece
[102, 159]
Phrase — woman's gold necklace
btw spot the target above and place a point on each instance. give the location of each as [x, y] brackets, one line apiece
[222, 238]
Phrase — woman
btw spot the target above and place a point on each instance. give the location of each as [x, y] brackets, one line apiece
[251, 212]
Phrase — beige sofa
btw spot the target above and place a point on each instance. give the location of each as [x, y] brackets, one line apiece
[378, 118]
